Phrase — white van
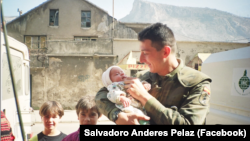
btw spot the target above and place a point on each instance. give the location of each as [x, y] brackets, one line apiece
[20, 61]
[230, 87]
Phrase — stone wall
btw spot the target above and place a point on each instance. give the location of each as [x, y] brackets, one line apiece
[100, 46]
[68, 78]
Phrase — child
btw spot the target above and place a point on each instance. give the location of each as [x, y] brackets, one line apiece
[51, 113]
[6, 130]
[113, 78]
[87, 114]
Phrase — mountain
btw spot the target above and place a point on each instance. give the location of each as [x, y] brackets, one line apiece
[192, 24]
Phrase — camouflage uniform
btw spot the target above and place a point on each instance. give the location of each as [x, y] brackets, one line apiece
[181, 97]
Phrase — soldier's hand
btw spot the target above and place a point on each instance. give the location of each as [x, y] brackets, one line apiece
[130, 118]
[135, 88]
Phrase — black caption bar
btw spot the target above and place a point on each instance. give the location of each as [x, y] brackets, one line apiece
[197, 131]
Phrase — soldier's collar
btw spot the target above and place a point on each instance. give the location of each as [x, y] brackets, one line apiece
[171, 74]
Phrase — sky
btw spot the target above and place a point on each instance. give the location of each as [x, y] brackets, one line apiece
[123, 7]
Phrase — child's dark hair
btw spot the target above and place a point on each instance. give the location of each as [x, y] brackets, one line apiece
[87, 102]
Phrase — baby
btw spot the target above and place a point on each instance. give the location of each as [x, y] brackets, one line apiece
[112, 79]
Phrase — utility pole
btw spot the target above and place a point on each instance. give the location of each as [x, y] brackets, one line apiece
[113, 31]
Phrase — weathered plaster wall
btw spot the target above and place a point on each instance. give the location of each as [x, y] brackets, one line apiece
[37, 61]
[36, 22]
[100, 46]
[38, 87]
[185, 50]
[71, 48]
[68, 78]
[123, 46]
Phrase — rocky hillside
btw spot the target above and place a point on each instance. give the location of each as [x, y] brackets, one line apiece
[192, 24]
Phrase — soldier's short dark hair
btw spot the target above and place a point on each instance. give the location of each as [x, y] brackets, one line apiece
[87, 102]
[160, 36]
[51, 108]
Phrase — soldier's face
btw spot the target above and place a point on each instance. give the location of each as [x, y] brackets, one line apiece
[117, 75]
[151, 57]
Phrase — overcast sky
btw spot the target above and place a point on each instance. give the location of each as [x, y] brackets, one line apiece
[123, 7]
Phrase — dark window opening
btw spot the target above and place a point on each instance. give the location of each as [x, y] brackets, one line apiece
[79, 38]
[53, 20]
[196, 66]
[86, 19]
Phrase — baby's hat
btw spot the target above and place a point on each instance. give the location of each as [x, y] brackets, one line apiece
[105, 76]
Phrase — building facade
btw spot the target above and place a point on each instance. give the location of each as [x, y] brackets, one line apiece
[70, 45]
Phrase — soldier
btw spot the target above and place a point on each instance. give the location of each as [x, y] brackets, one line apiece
[179, 95]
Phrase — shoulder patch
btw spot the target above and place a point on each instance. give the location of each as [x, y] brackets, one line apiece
[206, 90]
[189, 77]
[205, 96]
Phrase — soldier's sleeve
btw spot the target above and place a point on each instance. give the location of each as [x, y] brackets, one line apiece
[104, 105]
[193, 110]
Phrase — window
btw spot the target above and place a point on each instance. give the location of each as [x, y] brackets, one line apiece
[79, 38]
[18, 73]
[196, 66]
[86, 19]
[34, 42]
[53, 17]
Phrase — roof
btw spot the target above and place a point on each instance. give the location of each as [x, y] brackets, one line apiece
[236, 54]
[203, 56]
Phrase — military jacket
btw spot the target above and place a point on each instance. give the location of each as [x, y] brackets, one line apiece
[179, 98]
